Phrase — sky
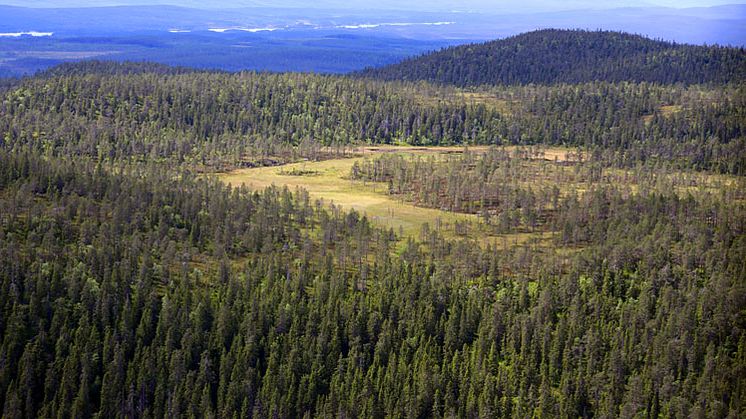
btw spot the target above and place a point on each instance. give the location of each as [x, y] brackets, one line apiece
[425, 5]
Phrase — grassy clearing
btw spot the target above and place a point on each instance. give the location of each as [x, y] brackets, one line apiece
[452, 96]
[665, 111]
[329, 183]
[559, 154]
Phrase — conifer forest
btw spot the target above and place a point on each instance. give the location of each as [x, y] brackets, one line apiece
[586, 256]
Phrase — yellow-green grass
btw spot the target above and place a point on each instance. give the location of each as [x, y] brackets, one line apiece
[433, 97]
[330, 184]
[665, 110]
[560, 154]
[329, 181]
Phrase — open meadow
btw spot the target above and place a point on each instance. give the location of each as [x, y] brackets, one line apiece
[331, 182]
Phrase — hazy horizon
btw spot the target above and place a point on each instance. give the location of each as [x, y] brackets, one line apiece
[482, 6]
[328, 36]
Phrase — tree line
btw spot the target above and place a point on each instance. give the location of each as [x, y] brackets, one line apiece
[109, 111]
[522, 189]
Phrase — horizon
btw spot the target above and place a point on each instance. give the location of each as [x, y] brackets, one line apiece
[326, 36]
[476, 6]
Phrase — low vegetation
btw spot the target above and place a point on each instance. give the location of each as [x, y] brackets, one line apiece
[331, 184]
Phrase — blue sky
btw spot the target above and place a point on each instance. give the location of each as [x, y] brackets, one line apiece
[473, 5]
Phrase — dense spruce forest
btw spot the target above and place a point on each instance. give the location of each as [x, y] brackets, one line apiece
[109, 111]
[133, 293]
[571, 56]
[134, 283]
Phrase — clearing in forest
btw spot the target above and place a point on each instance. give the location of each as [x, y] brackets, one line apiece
[328, 180]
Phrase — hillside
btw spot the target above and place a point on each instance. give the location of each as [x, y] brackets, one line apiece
[571, 56]
[216, 119]
[156, 261]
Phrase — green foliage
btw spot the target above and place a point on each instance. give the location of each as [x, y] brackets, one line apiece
[571, 56]
[216, 121]
[132, 287]
[131, 292]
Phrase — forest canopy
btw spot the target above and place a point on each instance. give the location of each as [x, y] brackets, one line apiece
[571, 56]
[110, 111]
[133, 283]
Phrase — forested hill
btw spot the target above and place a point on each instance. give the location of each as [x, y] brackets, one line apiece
[571, 56]
[112, 111]
[113, 68]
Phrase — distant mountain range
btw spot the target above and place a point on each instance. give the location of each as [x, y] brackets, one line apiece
[711, 25]
[482, 6]
[571, 56]
[280, 37]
